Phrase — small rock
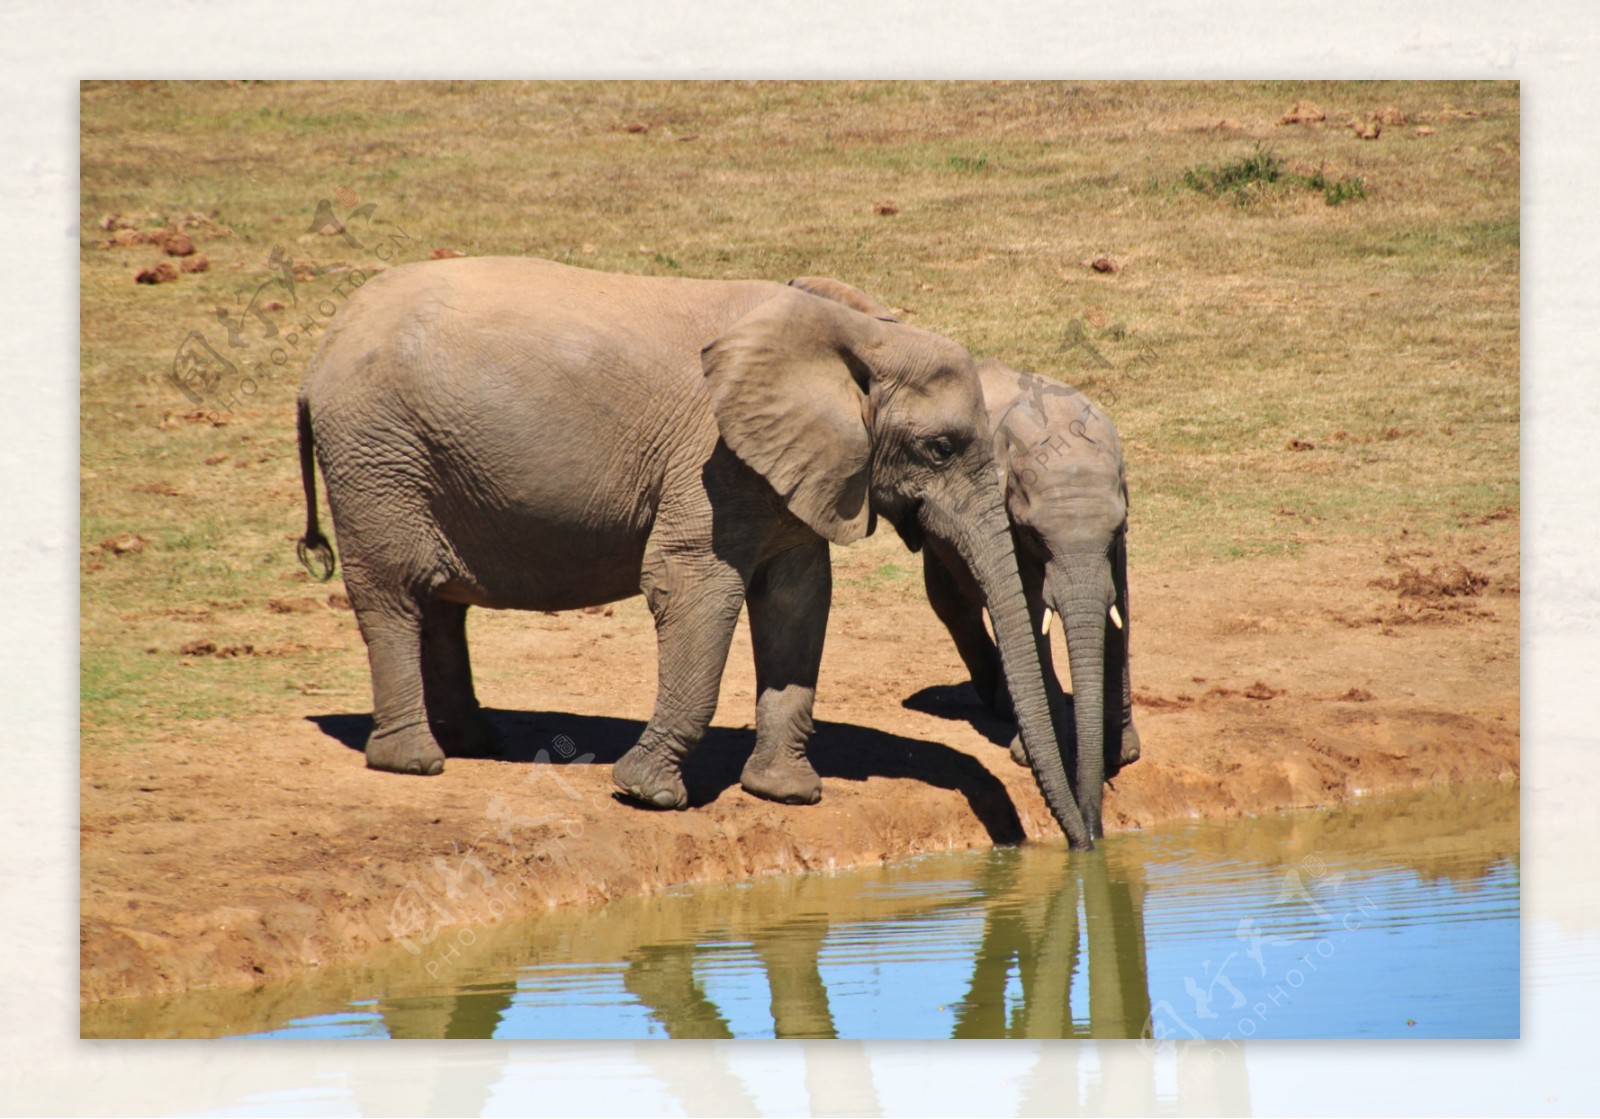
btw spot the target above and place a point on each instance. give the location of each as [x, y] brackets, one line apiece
[338, 600]
[638, 128]
[161, 274]
[1300, 445]
[274, 305]
[123, 543]
[196, 263]
[684, 139]
[304, 273]
[292, 605]
[198, 648]
[1391, 115]
[887, 209]
[1424, 130]
[177, 244]
[444, 254]
[1104, 264]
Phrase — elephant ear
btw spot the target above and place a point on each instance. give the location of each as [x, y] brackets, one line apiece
[789, 388]
[841, 292]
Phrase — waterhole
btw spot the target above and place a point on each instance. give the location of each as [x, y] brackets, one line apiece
[1397, 917]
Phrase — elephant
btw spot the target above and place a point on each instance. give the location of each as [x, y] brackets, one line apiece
[513, 433]
[1066, 495]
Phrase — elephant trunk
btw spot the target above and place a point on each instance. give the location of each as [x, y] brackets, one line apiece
[987, 546]
[1082, 592]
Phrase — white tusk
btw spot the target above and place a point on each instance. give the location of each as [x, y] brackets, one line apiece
[1116, 618]
[1044, 626]
[988, 623]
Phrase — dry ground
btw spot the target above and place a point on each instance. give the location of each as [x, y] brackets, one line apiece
[238, 850]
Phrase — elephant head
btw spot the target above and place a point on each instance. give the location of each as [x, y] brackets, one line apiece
[1067, 496]
[851, 416]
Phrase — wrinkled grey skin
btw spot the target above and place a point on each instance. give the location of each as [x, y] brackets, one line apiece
[1067, 500]
[1067, 497]
[517, 434]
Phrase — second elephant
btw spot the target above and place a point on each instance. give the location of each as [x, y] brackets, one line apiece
[1067, 497]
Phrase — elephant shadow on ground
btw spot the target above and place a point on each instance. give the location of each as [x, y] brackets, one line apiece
[838, 750]
[959, 703]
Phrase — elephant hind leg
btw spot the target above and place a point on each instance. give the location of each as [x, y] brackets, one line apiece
[455, 718]
[391, 624]
[789, 601]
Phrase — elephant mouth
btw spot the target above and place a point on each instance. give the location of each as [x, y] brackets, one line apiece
[909, 527]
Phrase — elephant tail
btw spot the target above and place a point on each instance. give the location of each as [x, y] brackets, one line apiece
[313, 545]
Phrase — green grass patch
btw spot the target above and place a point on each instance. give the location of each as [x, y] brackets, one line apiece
[1250, 178]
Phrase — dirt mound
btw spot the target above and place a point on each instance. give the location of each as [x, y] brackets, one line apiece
[1303, 112]
[1442, 581]
[1368, 129]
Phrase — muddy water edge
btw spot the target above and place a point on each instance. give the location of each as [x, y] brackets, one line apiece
[1397, 916]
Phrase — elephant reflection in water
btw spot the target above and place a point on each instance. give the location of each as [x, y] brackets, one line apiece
[1031, 924]
[1034, 926]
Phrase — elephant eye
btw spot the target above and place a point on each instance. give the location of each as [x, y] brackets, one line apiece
[941, 449]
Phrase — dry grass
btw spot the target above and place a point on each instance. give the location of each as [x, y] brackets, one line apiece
[1382, 331]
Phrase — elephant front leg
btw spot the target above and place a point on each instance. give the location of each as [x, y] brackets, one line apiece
[789, 600]
[695, 615]
[1117, 646]
[962, 615]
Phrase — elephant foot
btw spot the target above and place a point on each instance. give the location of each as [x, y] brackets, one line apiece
[1130, 747]
[651, 777]
[1018, 754]
[785, 778]
[471, 737]
[997, 698]
[407, 750]
[1001, 704]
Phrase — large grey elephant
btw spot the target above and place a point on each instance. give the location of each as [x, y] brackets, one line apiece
[519, 434]
[1066, 495]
